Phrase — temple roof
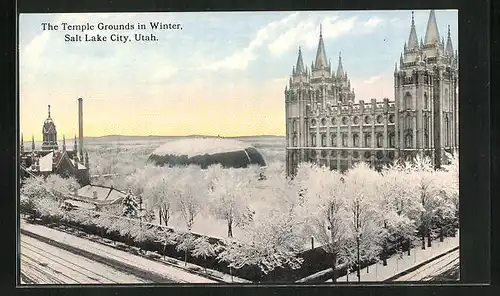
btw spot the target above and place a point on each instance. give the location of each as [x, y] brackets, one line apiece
[412, 40]
[299, 68]
[321, 60]
[432, 33]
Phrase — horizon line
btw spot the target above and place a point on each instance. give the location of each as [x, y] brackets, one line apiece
[162, 136]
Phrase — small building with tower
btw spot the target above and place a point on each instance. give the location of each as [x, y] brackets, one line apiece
[65, 161]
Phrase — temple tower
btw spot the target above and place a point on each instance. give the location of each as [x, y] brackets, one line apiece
[425, 91]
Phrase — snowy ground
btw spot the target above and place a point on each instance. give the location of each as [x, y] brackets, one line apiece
[170, 273]
[396, 264]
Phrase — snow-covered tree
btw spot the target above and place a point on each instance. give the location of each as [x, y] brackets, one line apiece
[60, 186]
[165, 236]
[32, 190]
[137, 182]
[365, 218]
[399, 207]
[159, 194]
[323, 197]
[450, 183]
[130, 206]
[424, 178]
[204, 249]
[42, 197]
[271, 242]
[141, 232]
[185, 243]
[190, 191]
[229, 194]
[445, 200]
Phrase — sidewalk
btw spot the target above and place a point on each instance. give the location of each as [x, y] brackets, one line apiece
[396, 264]
[169, 268]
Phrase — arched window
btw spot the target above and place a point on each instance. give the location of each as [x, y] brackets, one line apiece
[392, 140]
[408, 140]
[368, 140]
[355, 140]
[323, 140]
[295, 125]
[426, 101]
[313, 140]
[294, 141]
[407, 101]
[333, 138]
[426, 139]
[380, 140]
[344, 140]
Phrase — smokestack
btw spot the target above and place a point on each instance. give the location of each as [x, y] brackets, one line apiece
[80, 126]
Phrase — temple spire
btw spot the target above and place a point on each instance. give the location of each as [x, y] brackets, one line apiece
[320, 54]
[64, 143]
[340, 68]
[412, 40]
[432, 33]
[299, 68]
[32, 143]
[49, 111]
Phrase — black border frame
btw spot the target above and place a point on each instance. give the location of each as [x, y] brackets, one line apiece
[475, 137]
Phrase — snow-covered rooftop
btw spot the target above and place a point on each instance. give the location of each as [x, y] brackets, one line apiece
[200, 146]
[46, 162]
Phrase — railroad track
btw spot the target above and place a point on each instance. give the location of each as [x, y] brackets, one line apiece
[45, 264]
[431, 270]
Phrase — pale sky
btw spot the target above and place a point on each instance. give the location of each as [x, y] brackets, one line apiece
[223, 74]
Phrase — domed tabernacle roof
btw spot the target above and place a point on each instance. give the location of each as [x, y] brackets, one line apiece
[207, 151]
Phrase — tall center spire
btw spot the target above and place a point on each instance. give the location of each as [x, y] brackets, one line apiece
[49, 111]
[432, 33]
[412, 40]
[320, 54]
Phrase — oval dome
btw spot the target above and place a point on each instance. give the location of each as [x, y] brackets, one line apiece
[206, 152]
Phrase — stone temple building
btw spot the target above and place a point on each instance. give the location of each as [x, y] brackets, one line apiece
[326, 125]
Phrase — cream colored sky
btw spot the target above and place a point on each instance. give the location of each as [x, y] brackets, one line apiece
[154, 112]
